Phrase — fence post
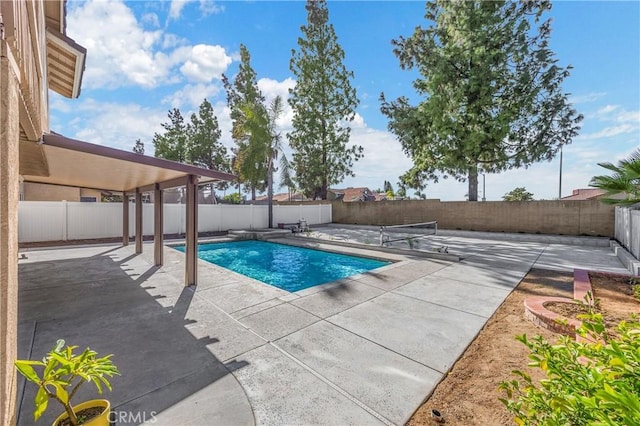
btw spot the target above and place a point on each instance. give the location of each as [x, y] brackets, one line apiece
[65, 220]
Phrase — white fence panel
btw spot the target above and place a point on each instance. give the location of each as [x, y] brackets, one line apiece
[236, 217]
[93, 220]
[55, 221]
[627, 229]
[314, 214]
[41, 221]
[209, 218]
[634, 243]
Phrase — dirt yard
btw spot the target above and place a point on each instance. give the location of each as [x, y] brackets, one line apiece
[469, 394]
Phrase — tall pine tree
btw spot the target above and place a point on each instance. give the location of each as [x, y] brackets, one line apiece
[197, 142]
[138, 148]
[173, 143]
[323, 103]
[205, 148]
[244, 93]
[491, 88]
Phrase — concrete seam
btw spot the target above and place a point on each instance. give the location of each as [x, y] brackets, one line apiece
[537, 258]
[386, 347]
[335, 387]
[449, 307]
[487, 285]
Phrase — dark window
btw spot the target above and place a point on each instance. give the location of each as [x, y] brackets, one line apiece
[88, 199]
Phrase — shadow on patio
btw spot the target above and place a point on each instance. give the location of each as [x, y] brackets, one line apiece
[110, 300]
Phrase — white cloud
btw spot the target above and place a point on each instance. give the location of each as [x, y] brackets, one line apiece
[270, 89]
[151, 19]
[119, 50]
[175, 9]
[192, 95]
[113, 124]
[208, 7]
[358, 122]
[628, 116]
[586, 98]
[58, 103]
[383, 158]
[205, 63]
[171, 40]
[605, 110]
[122, 53]
[611, 131]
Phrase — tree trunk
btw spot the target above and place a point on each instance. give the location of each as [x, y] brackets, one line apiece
[270, 194]
[253, 194]
[473, 183]
[214, 199]
[323, 190]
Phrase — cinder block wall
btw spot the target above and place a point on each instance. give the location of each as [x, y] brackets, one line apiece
[536, 217]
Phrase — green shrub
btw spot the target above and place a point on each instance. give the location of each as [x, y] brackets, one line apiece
[233, 198]
[63, 372]
[604, 390]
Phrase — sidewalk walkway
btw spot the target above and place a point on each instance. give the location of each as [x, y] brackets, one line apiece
[363, 350]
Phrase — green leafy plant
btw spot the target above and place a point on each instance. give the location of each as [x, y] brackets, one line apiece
[595, 382]
[591, 304]
[634, 282]
[623, 186]
[233, 198]
[518, 194]
[63, 372]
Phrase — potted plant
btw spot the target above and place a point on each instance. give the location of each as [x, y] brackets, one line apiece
[63, 372]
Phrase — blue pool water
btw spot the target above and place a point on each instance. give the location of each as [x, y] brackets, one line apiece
[287, 267]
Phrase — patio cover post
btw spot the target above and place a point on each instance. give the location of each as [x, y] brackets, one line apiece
[138, 221]
[158, 207]
[191, 245]
[125, 219]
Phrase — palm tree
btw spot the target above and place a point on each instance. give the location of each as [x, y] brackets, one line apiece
[264, 145]
[625, 180]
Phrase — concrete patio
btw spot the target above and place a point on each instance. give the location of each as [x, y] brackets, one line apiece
[234, 351]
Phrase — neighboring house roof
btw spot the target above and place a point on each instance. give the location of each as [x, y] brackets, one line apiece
[584, 194]
[380, 196]
[354, 194]
[283, 196]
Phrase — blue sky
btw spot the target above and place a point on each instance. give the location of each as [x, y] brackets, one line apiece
[147, 57]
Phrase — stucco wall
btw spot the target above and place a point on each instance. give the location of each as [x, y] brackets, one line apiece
[544, 217]
[9, 193]
[42, 192]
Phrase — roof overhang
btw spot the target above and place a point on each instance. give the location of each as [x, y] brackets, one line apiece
[65, 64]
[58, 160]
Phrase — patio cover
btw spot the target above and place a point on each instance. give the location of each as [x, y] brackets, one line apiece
[58, 160]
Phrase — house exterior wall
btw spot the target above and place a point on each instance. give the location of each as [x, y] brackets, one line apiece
[9, 190]
[24, 117]
[43, 192]
[589, 217]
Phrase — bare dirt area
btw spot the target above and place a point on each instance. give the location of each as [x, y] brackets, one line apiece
[469, 394]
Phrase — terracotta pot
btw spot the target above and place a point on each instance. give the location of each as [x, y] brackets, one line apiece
[101, 420]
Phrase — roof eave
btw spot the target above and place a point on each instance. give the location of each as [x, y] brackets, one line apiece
[70, 47]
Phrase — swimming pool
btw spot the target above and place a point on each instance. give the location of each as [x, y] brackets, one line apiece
[287, 267]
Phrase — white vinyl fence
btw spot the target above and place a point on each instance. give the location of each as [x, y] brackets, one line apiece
[628, 229]
[65, 220]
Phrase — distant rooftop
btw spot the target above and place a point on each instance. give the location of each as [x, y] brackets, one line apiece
[284, 196]
[584, 194]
